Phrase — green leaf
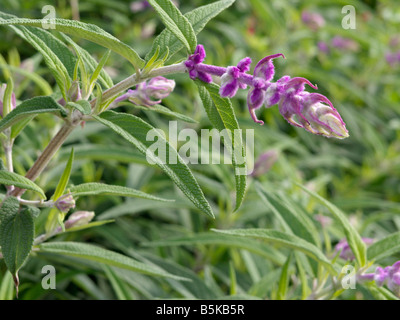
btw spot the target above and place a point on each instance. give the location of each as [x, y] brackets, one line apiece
[16, 235]
[99, 67]
[7, 287]
[222, 116]
[62, 184]
[29, 108]
[208, 238]
[91, 63]
[40, 42]
[13, 179]
[135, 130]
[285, 240]
[385, 247]
[82, 106]
[353, 238]
[107, 257]
[120, 287]
[55, 216]
[284, 280]
[293, 218]
[197, 17]
[176, 23]
[93, 188]
[163, 110]
[105, 153]
[86, 31]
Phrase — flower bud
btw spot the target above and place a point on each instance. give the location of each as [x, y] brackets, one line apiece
[65, 203]
[264, 163]
[79, 218]
[74, 92]
[157, 88]
[311, 111]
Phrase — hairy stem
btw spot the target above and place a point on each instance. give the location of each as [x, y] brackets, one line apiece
[68, 127]
[135, 79]
[46, 155]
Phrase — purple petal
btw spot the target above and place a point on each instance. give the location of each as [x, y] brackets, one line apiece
[265, 68]
[244, 64]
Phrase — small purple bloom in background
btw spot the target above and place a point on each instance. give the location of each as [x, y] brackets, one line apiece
[393, 58]
[313, 20]
[79, 218]
[13, 103]
[323, 47]
[311, 111]
[345, 250]
[139, 5]
[149, 93]
[394, 41]
[65, 203]
[264, 163]
[344, 43]
[323, 220]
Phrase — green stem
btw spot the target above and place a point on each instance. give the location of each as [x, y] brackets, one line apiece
[57, 141]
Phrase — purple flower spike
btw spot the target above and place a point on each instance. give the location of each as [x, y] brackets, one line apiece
[265, 68]
[311, 111]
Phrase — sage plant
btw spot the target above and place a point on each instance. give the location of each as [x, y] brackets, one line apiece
[86, 93]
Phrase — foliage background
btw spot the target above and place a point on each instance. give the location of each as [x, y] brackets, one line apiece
[360, 175]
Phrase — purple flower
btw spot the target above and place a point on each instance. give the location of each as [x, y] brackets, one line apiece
[65, 203]
[264, 163]
[12, 103]
[344, 43]
[230, 79]
[345, 250]
[323, 220]
[313, 20]
[393, 58]
[139, 5]
[149, 93]
[323, 47]
[311, 111]
[389, 276]
[192, 63]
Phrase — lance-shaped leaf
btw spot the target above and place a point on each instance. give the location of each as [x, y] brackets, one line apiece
[384, 247]
[93, 188]
[13, 179]
[286, 240]
[86, 31]
[136, 131]
[16, 235]
[198, 17]
[107, 257]
[222, 116]
[353, 238]
[176, 22]
[30, 108]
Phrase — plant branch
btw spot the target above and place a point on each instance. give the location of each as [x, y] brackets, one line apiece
[134, 80]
